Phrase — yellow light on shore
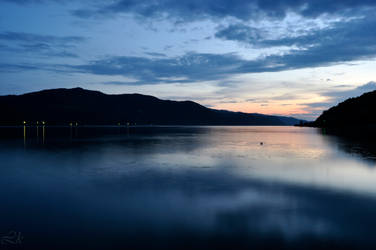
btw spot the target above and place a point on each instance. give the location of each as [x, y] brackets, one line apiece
[43, 122]
[24, 122]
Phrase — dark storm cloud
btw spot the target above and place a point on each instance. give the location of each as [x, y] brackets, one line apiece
[46, 45]
[240, 9]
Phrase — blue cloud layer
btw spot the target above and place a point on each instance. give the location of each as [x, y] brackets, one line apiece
[341, 43]
[240, 9]
[29, 37]
[42, 45]
[344, 42]
[191, 67]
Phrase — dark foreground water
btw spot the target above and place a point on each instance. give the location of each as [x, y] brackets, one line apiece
[185, 187]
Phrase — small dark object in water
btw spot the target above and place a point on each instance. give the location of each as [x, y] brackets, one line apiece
[261, 143]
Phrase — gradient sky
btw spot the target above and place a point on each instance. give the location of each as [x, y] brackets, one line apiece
[287, 57]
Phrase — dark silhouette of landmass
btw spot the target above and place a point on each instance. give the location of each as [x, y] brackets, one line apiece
[354, 112]
[64, 106]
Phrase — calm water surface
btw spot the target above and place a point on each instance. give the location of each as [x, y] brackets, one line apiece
[186, 187]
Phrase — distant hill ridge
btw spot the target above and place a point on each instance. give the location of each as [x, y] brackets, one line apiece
[358, 111]
[62, 106]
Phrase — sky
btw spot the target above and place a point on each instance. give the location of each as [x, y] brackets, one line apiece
[281, 57]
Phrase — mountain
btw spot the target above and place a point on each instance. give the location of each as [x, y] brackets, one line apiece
[62, 106]
[359, 111]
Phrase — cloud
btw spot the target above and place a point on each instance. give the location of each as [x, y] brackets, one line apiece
[189, 10]
[46, 45]
[29, 37]
[23, 2]
[285, 97]
[320, 105]
[191, 67]
[336, 96]
[155, 54]
[229, 101]
[340, 43]
[240, 32]
[258, 100]
[128, 83]
[267, 99]
[341, 95]
[14, 68]
[344, 42]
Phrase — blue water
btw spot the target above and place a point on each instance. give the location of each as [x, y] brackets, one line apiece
[185, 188]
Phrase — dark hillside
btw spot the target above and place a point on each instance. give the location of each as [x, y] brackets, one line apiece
[62, 106]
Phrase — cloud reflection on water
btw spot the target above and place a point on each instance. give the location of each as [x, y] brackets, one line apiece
[194, 187]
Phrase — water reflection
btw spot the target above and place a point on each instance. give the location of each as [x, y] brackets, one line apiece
[359, 142]
[186, 187]
[24, 134]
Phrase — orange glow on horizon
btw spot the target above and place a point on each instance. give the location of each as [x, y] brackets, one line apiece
[269, 108]
[275, 107]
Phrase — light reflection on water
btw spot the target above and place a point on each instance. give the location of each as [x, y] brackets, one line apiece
[197, 187]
